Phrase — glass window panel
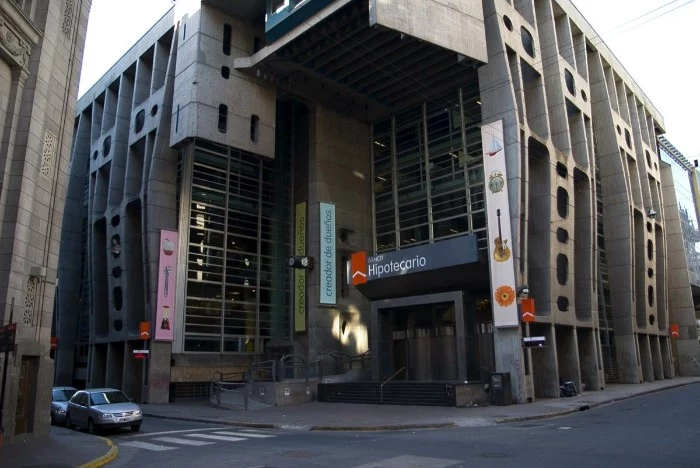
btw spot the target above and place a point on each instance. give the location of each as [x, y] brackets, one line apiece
[199, 343]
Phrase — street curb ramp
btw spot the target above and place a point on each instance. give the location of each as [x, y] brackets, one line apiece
[104, 459]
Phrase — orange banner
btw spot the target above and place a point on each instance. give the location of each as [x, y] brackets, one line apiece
[527, 310]
[358, 267]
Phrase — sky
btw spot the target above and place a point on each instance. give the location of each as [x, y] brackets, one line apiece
[655, 40]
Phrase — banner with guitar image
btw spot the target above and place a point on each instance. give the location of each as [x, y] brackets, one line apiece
[165, 302]
[504, 300]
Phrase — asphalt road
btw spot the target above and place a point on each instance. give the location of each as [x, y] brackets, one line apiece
[662, 429]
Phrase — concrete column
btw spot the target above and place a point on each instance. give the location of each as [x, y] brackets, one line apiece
[656, 358]
[588, 359]
[544, 364]
[508, 348]
[666, 358]
[645, 355]
[568, 354]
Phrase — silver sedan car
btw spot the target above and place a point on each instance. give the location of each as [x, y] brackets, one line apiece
[102, 408]
[59, 402]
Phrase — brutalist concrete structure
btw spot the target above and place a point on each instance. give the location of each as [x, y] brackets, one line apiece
[41, 48]
[357, 132]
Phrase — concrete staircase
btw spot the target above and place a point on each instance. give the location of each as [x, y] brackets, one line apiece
[394, 393]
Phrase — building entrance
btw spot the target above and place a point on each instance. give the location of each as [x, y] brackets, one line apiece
[421, 337]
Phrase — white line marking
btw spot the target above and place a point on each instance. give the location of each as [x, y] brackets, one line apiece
[177, 440]
[216, 437]
[244, 434]
[151, 434]
[147, 446]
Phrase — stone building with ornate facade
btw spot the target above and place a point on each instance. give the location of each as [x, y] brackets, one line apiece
[41, 48]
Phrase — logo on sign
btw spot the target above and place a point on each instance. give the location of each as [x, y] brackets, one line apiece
[358, 264]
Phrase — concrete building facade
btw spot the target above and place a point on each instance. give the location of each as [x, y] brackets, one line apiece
[41, 48]
[435, 175]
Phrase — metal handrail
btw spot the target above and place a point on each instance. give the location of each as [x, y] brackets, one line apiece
[381, 387]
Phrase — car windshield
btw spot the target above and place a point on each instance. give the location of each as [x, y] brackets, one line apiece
[105, 398]
[62, 395]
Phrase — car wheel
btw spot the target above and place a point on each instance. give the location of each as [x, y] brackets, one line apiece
[69, 424]
[136, 427]
[91, 427]
[53, 421]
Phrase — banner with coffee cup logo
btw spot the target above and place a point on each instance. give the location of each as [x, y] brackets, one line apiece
[165, 302]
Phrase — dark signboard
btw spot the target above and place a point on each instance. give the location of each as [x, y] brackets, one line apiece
[7, 337]
[441, 254]
[534, 342]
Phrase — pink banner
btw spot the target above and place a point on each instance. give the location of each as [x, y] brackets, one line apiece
[165, 304]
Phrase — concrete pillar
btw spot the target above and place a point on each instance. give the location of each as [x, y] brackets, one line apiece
[508, 348]
[656, 358]
[666, 358]
[645, 358]
[628, 368]
[588, 359]
[568, 354]
[544, 363]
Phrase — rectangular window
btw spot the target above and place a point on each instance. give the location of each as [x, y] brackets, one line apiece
[237, 282]
[223, 117]
[227, 39]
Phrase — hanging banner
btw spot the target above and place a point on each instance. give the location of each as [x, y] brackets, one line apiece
[326, 259]
[505, 307]
[300, 274]
[165, 303]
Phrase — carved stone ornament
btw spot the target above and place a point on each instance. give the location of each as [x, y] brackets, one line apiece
[18, 48]
[67, 25]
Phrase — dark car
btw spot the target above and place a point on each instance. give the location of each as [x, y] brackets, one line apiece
[102, 408]
[59, 403]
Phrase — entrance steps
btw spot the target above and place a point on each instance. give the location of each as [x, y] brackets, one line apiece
[402, 393]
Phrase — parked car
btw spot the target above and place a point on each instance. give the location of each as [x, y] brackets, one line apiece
[59, 402]
[102, 408]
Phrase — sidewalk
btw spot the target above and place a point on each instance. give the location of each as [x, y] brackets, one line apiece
[344, 416]
[62, 448]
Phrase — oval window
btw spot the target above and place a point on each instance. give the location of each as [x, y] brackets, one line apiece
[650, 250]
[569, 80]
[563, 303]
[139, 120]
[562, 269]
[562, 235]
[107, 146]
[562, 202]
[528, 41]
[508, 23]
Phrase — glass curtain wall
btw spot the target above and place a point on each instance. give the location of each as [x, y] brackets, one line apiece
[428, 173]
[235, 217]
[687, 213]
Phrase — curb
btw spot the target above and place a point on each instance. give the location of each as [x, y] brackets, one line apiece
[104, 459]
[587, 406]
[286, 426]
[396, 427]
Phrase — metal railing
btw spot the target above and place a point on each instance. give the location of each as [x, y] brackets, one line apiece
[228, 382]
[381, 387]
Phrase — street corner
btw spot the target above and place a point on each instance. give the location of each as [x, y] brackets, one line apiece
[109, 455]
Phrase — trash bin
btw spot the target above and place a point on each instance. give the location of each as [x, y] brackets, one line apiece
[500, 392]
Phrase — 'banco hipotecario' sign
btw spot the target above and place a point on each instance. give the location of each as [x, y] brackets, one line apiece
[327, 290]
[441, 254]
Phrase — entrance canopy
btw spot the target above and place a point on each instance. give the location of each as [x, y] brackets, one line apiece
[361, 62]
[444, 265]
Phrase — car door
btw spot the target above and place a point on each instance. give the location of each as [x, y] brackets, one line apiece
[78, 412]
